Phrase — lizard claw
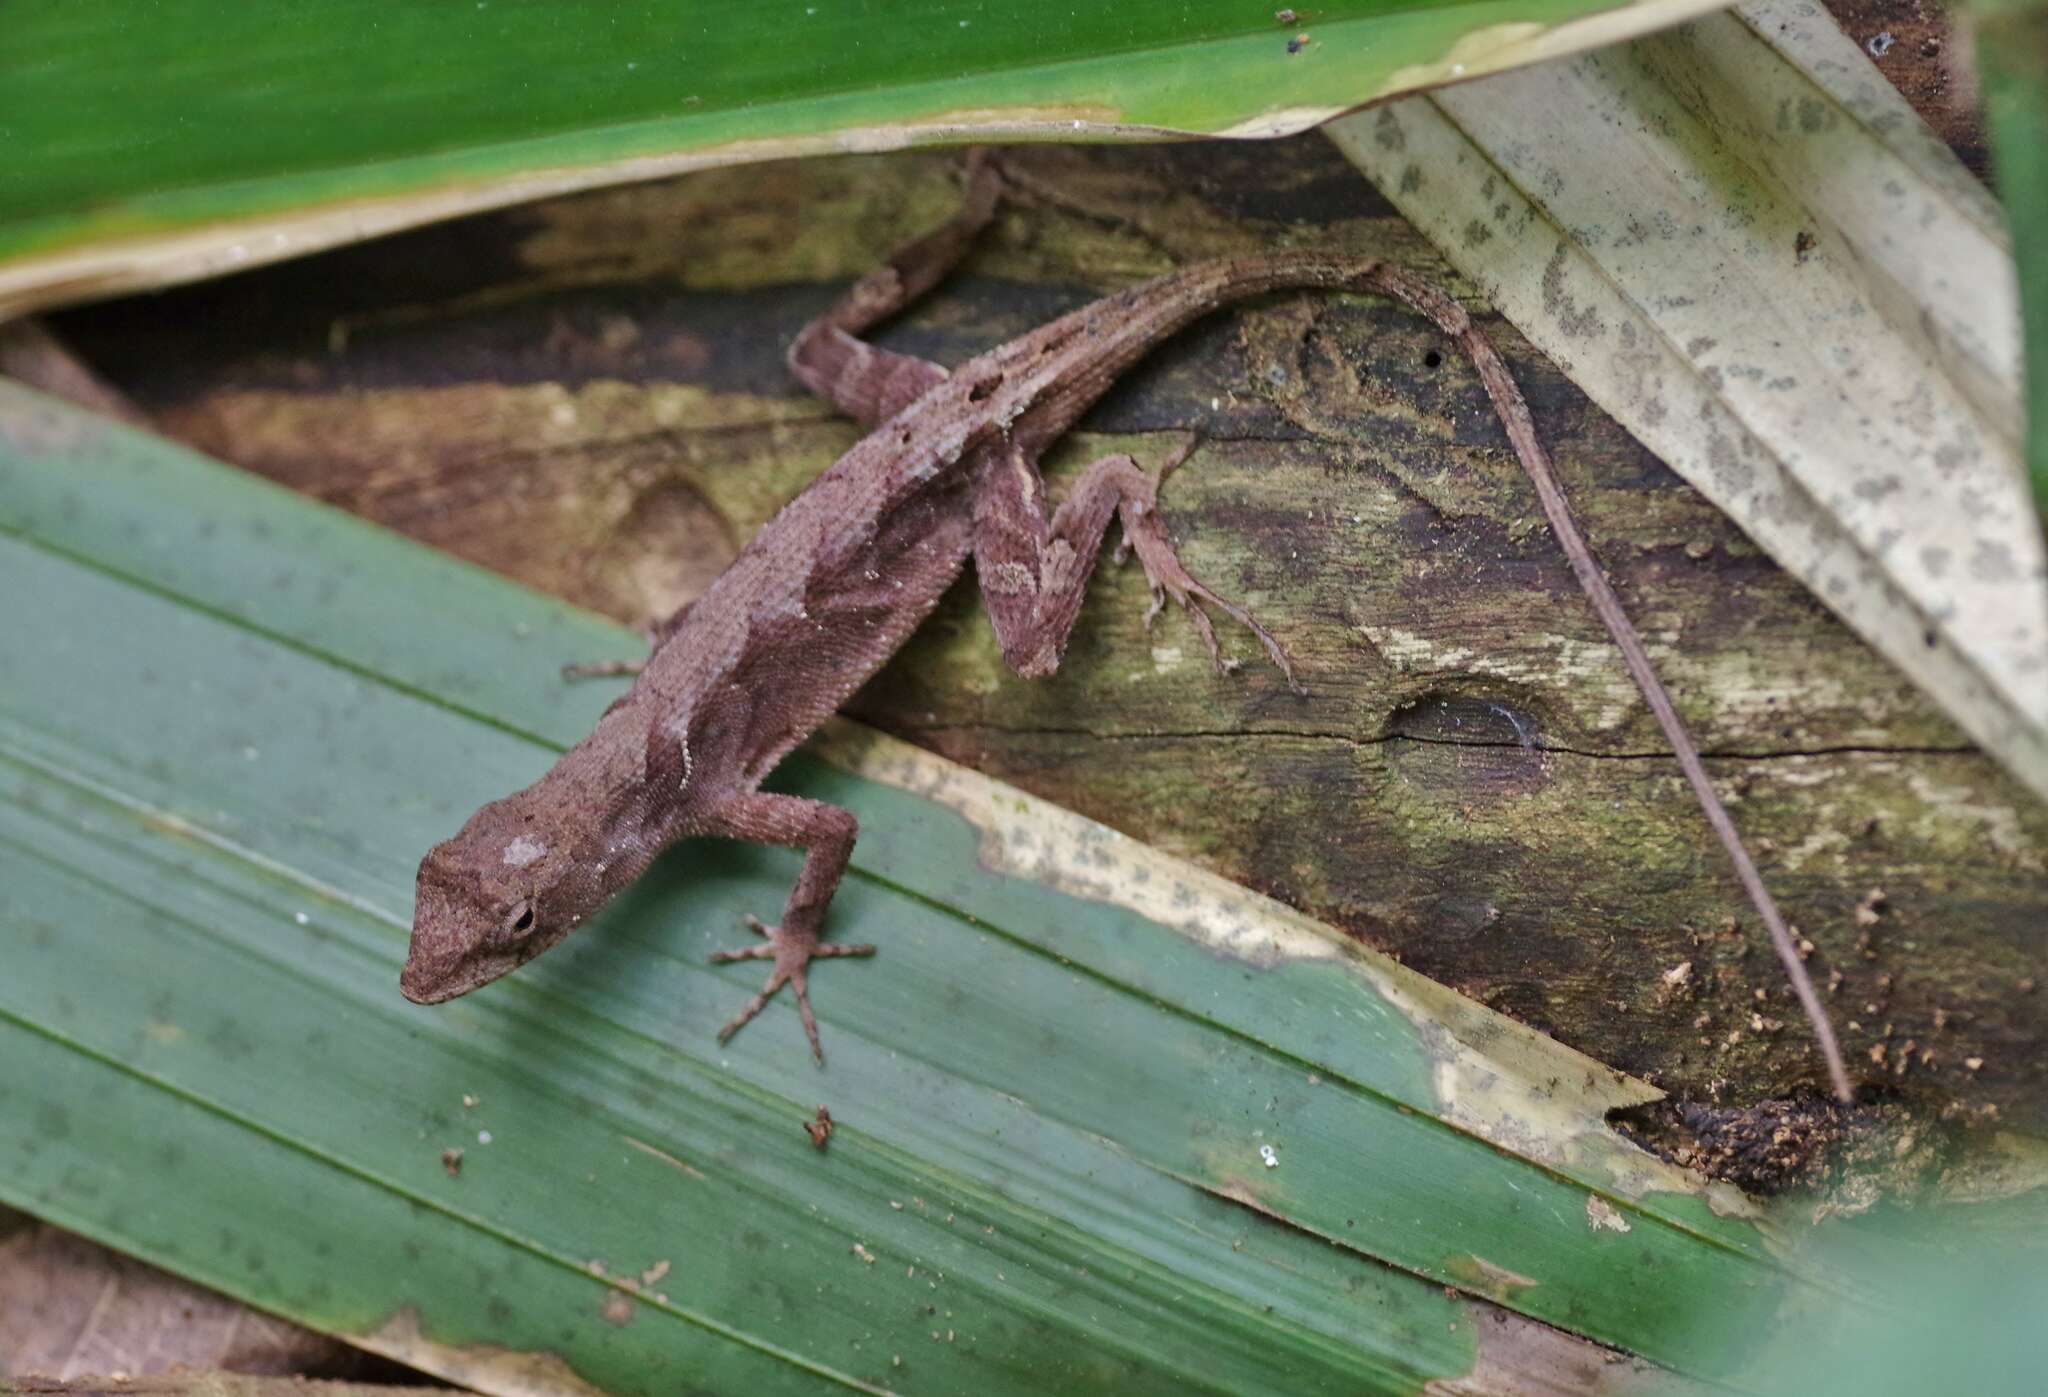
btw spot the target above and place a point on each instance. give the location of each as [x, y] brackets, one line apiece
[792, 952]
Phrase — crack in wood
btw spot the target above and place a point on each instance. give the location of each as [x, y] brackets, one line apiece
[1342, 739]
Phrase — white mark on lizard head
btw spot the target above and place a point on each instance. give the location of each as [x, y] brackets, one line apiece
[523, 851]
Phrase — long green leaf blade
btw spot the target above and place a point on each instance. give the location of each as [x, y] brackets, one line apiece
[189, 138]
[234, 718]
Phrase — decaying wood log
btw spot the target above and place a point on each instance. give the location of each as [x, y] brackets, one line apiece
[588, 395]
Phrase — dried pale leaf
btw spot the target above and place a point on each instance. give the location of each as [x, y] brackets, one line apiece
[70, 1308]
[1740, 241]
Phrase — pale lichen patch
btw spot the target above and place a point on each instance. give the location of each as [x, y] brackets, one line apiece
[1822, 840]
[1029, 838]
[1589, 673]
[2000, 822]
[1483, 1277]
[491, 1368]
[1603, 1216]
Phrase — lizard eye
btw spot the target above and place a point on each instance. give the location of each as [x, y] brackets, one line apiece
[520, 920]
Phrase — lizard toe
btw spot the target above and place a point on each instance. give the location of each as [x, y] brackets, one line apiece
[777, 978]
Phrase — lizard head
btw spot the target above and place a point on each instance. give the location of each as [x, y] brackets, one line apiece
[505, 888]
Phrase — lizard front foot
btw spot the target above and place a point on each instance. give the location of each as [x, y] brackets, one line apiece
[792, 950]
[603, 669]
[654, 632]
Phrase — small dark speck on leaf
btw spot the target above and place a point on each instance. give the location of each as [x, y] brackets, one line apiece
[1297, 43]
[1802, 246]
[451, 1160]
[1284, 16]
[820, 1130]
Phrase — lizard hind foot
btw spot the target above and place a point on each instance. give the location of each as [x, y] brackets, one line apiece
[792, 953]
[1145, 535]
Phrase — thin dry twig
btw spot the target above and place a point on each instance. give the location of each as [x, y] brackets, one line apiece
[1453, 320]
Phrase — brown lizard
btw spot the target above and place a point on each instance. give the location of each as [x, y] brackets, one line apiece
[825, 593]
[835, 583]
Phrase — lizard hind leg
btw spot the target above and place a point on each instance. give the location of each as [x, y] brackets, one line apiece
[867, 383]
[1033, 569]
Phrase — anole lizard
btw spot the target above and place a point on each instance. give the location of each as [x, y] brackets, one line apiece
[835, 583]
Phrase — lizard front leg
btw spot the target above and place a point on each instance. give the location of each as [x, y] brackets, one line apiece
[825, 833]
[655, 634]
[1034, 570]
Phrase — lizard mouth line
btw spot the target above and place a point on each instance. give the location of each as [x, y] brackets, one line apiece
[418, 992]
[420, 984]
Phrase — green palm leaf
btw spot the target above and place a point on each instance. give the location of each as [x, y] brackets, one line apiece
[189, 138]
[1106, 1123]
